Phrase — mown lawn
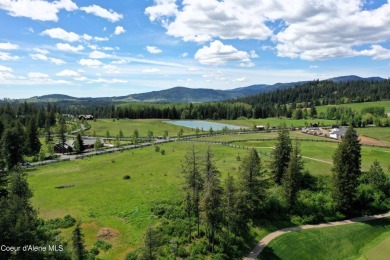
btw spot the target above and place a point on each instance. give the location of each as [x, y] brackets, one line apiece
[358, 106]
[380, 133]
[340, 242]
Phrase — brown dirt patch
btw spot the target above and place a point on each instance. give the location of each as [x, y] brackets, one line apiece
[107, 233]
[371, 141]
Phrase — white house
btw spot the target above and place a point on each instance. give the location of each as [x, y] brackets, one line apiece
[337, 133]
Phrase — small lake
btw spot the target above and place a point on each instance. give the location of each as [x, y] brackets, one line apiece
[205, 125]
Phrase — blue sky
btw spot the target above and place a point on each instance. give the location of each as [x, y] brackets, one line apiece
[112, 48]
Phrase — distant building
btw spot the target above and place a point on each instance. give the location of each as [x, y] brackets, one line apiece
[68, 147]
[86, 117]
[260, 127]
[337, 133]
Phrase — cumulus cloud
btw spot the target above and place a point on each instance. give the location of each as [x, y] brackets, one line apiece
[37, 9]
[111, 69]
[219, 54]
[99, 55]
[308, 30]
[119, 30]
[110, 15]
[68, 47]
[8, 46]
[5, 69]
[38, 76]
[57, 61]
[61, 34]
[43, 57]
[90, 63]
[377, 52]
[68, 73]
[162, 8]
[184, 54]
[153, 49]
[242, 79]
[6, 56]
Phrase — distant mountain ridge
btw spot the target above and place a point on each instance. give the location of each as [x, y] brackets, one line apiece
[187, 95]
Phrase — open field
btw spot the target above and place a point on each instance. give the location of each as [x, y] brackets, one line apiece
[101, 198]
[101, 126]
[379, 133]
[276, 122]
[359, 106]
[361, 240]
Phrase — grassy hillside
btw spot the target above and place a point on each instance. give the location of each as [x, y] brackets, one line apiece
[361, 240]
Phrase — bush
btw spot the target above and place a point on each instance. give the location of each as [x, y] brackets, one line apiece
[103, 245]
[162, 151]
[157, 148]
[66, 222]
[126, 177]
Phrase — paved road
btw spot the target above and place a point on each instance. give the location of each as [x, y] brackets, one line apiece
[265, 241]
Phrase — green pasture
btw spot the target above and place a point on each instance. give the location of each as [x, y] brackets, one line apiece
[369, 240]
[113, 126]
[102, 198]
[358, 106]
[274, 121]
[379, 133]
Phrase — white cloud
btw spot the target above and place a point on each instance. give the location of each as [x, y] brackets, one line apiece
[193, 69]
[37, 9]
[110, 15]
[253, 54]
[68, 47]
[61, 34]
[100, 39]
[219, 54]
[5, 69]
[119, 30]
[313, 67]
[68, 73]
[42, 51]
[111, 69]
[161, 9]
[119, 61]
[242, 79]
[308, 30]
[6, 56]
[38, 76]
[377, 52]
[108, 81]
[153, 49]
[247, 64]
[39, 56]
[184, 54]
[99, 55]
[90, 63]
[57, 61]
[8, 46]
[153, 70]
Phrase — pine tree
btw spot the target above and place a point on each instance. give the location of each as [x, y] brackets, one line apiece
[135, 136]
[12, 146]
[281, 154]
[230, 215]
[193, 183]
[377, 177]
[79, 251]
[210, 203]
[292, 178]
[33, 145]
[152, 243]
[251, 193]
[346, 170]
[79, 144]
[62, 131]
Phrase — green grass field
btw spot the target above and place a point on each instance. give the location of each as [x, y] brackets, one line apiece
[101, 198]
[380, 133]
[369, 240]
[276, 122]
[359, 106]
[101, 126]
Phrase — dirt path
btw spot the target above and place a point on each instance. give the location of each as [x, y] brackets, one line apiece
[372, 141]
[315, 159]
[265, 241]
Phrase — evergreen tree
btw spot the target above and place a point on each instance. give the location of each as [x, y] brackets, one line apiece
[377, 178]
[48, 133]
[151, 243]
[150, 135]
[230, 215]
[193, 182]
[251, 193]
[292, 178]
[211, 199]
[281, 154]
[62, 131]
[97, 144]
[79, 251]
[79, 144]
[135, 136]
[12, 146]
[33, 145]
[346, 170]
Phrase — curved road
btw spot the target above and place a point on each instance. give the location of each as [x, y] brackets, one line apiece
[265, 241]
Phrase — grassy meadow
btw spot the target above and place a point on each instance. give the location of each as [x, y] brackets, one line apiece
[369, 240]
[379, 133]
[102, 198]
[359, 106]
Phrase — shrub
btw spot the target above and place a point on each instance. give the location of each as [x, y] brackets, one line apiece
[126, 177]
[162, 151]
[103, 245]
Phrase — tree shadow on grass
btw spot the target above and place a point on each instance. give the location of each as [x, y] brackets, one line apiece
[268, 254]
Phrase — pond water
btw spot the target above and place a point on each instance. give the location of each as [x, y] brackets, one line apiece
[205, 125]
